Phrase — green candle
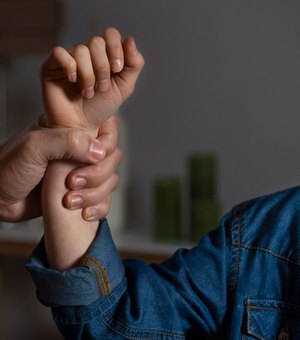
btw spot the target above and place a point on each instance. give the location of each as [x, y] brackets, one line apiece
[167, 208]
[202, 170]
[204, 217]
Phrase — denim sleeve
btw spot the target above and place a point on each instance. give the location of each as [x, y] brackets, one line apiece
[184, 297]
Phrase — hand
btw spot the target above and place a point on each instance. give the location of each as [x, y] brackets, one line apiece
[24, 159]
[85, 86]
[91, 186]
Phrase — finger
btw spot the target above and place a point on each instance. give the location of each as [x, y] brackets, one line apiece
[59, 64]
[94, 175]
[50, 144]
[133, 64]
[100, 62]
[108, 133]
[89, 197]
[85, 70]
[97, 211]
[114, 49]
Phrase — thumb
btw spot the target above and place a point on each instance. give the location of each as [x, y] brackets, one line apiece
[68, 143]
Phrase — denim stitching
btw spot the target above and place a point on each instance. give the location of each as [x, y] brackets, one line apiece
[85, 262]
[126, 328]
[249, 324]
[91, 314]
[270, 252]
[99, 272]
[236, 241]
[275, 309]
[249, 308]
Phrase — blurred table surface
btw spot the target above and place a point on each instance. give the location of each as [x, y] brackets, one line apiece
[20, 239]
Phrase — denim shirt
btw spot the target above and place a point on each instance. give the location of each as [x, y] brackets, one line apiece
[242, 281]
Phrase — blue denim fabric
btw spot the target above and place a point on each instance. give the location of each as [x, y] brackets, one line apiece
[242, 281]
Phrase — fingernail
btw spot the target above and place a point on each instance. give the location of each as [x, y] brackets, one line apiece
[76, 202]
[90, 214]
[88, 92]
[79, 183]
[97, 150]
[73, 77]
[102, 85]
[116, 65]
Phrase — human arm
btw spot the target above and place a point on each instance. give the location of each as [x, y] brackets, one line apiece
[68, 77]
[182, 298]
[64, 244]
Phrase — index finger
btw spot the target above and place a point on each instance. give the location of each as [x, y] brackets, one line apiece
[59, 64]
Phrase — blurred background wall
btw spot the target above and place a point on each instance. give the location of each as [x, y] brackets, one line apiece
[221, 77]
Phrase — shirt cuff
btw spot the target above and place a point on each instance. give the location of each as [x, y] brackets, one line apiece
[99, 272]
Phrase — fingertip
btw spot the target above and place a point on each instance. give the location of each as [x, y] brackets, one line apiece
[73, 77]
[91, 214]
[133, 57]
[117, 65]
[97, 150]
[88, 92]
[132, 42]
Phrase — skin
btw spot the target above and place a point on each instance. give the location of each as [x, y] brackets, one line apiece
[82, 88]
[24, 160]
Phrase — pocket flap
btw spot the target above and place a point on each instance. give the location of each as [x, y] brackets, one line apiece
[272, 319]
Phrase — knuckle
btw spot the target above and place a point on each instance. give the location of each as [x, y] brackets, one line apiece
[70, 65]
[112, 31]
[57, 51]
[73, 139]
[89, 80]
[97, 41]
[104, 71]
[117, 52]
[79, 49]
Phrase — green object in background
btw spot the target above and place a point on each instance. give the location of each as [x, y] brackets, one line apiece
[167, 208]
[204, 205]
[202, 176]
[205, 216]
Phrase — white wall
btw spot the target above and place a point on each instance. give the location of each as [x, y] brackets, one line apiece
[220, 76]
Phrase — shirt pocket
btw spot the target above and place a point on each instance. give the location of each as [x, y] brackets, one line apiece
[272, 319]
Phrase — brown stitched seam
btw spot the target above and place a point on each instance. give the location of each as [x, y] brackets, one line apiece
[101, 270]
[275, 309]
[85, 262]
[270, 252]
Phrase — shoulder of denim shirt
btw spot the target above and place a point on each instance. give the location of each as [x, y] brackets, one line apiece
[270, 223]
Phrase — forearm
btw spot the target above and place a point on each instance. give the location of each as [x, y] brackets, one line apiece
[67, 234]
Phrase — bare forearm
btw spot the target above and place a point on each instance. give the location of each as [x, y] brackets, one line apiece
[67, 234]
